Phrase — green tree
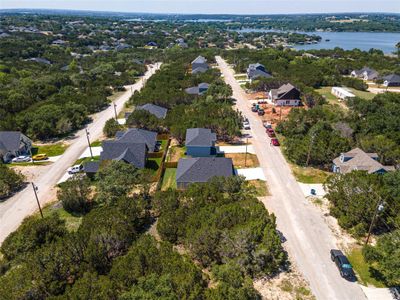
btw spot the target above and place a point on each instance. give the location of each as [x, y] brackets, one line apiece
[74, 195]
[111, 128]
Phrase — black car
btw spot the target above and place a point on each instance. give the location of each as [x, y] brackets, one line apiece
[343, 264]
[254, 109]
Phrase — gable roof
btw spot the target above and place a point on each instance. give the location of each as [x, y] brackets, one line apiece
[135, 135]
[200, 137]
[360, 160]
[196, 90]
[132, 153]
[199, 60]
[202, 169]
[392, 78]
[201, 69]
[257, 66]
[10, 140]
[284, 90]
[158, 111]
[91, 167]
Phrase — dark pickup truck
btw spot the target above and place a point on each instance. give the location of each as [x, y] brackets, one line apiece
[343, 264]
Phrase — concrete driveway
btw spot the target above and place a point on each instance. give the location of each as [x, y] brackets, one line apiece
[23, 204]
[308, 237]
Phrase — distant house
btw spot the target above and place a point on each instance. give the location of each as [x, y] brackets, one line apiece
[357, 159]
[342, 93]
[202, 169]
[198, 90]
[59, 42]
[200, 142]
[158, 111]
[129, 152]
[135, 135]
[257, 70]
[199, 65]
[286, 95]
[12, 144]
[391, 80]
[152, 44]
[122, 46]
[39, 60]
[365, 74]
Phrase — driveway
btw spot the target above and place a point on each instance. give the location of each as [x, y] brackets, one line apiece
[23, 204]
[308, 237]
[236, 149]
[251, 173]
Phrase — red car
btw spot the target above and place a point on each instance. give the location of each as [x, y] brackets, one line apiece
[270, 132]
[275, 142]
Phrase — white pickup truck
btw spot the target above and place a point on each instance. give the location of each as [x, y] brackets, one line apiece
[75, 169]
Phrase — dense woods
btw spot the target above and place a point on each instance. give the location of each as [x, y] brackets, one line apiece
[10, 181]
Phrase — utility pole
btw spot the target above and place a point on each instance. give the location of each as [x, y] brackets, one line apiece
[245, 156]
[35, 188]
[115, 111]
[90, 147]
[379, 207]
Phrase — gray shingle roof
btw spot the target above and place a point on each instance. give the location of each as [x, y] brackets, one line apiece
[392, 78]
[200, 137]
[282, 91]
[158, 111]
[360, 160]
[132, 153]
[202, 169]
[195, 90]
[199, 70]
[135, 135]
[199, 60]
[91, 167]
[10, 140]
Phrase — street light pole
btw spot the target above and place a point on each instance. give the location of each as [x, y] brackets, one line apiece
[245, 156]
[378, 208]
[90, 147]
[115, 111]
[37, 199]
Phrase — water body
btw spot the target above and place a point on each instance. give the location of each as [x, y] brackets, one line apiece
[384, 41]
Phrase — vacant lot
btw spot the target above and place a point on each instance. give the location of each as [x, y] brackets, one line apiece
[309, 175]
[261, 187]
[241, 160]
[50, 149]
[169, 180]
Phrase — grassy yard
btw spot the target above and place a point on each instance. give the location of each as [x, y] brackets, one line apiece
[50, 149]
[309, 175]
[261, 187]
[115, 95]
[72, 222]
[362, 94]
[96, 143]
[326, 91]
[175, 153]
[365, 274]
[153, 164]
[239, 160]
[163, 145]
[86, 159]
[169, 180]
[241, 77]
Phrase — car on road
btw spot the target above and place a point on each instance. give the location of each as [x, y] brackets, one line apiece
[75, 169]
[275, 142]
[270, 132]
[343, 264]
[22, 158]
[254, 108]
[41, 156]
[246, 126]
[261, 112]
[267, 125]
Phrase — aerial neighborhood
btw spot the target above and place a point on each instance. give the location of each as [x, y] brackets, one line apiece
[172, 156]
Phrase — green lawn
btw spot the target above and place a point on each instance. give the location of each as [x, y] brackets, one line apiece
[326, 91]
[86, 159]
[363, 270]
[309, 175]
[169, 180]
[72, 222]
[51, 149]
[153, 164]
[163, 145]
[362, 94]
[96, 143]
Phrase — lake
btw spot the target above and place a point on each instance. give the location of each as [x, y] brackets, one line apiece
[384, 41]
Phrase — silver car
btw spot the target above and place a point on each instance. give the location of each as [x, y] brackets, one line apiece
[22, 158]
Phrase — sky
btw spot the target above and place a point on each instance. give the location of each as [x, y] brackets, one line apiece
[213, 6]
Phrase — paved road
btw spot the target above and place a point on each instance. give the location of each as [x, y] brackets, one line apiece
[309, 239]
[23, 204]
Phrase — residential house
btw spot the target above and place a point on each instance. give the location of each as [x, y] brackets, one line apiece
[357, 159]
[202, 169]
[286, 95]
[257, 70]
[39, 60]
[158, 111]
[59, 42]
[200, 142]
[198, 90]
[129, 152]
[342, 93]
[365, 74]
[391, 80]
[91, 168]
[135, 135]
[12, 144]
[199, 65]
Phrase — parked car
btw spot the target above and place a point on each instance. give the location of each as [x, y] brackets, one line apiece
[263, 101]
[75, 169]
[261, 112]
[42, 156]
[270, 132]
[22, 158]
[246, 125]
[343, 264]
[275, 142]
[254, 108]
[267, 125]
